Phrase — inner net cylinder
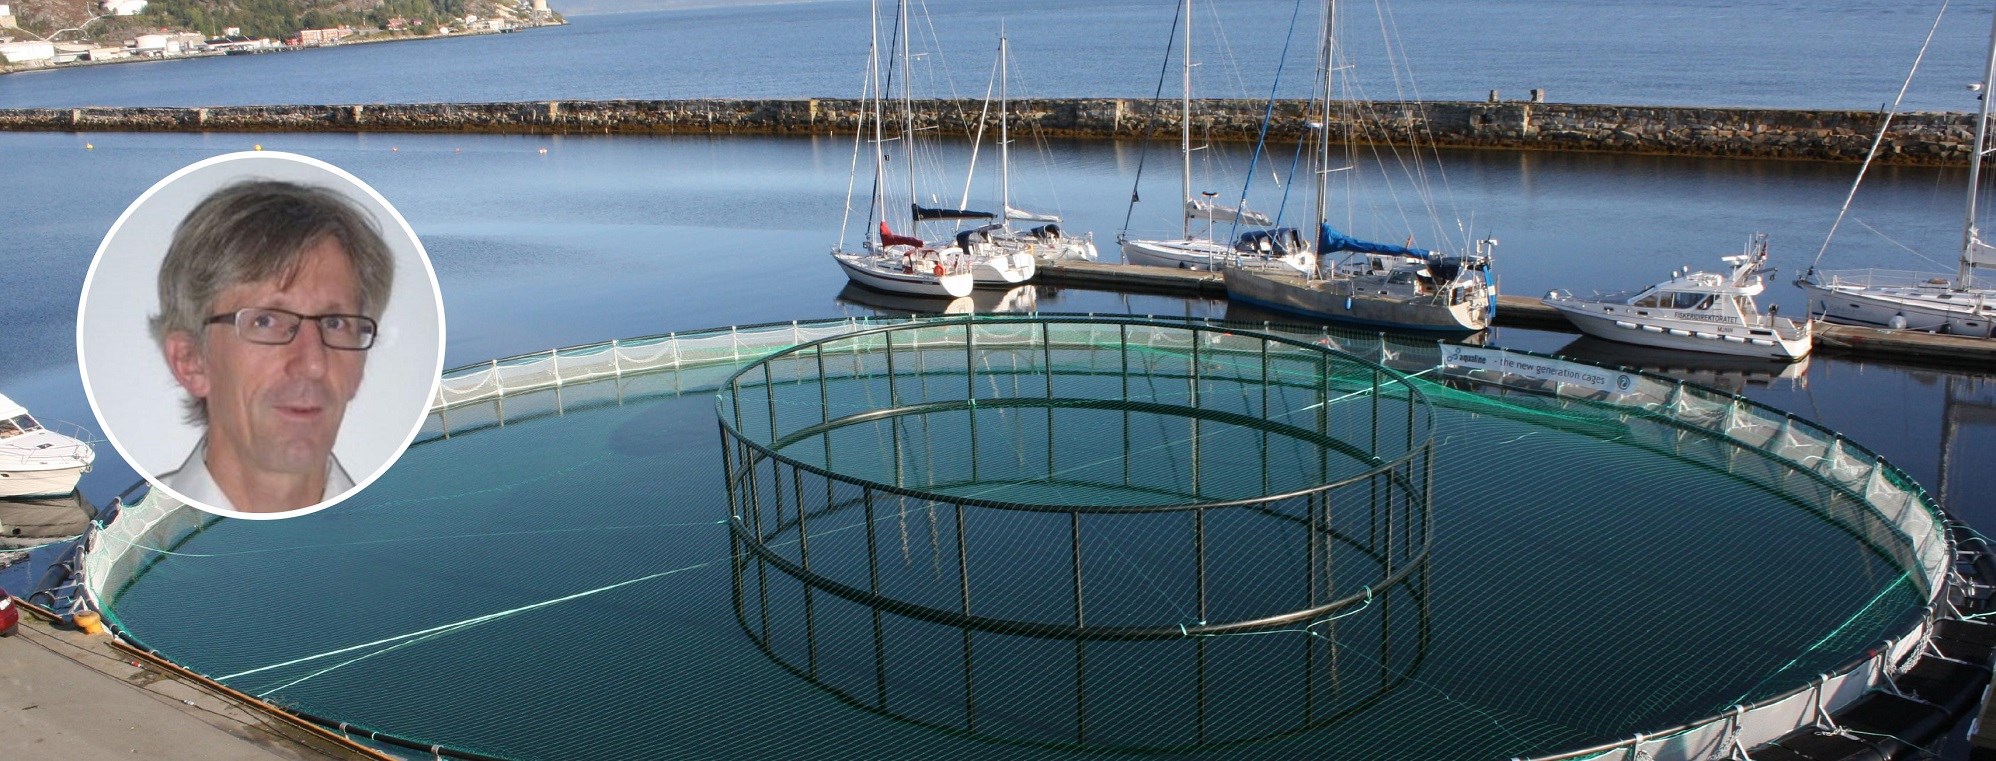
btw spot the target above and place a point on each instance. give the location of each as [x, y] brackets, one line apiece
[1083, 479]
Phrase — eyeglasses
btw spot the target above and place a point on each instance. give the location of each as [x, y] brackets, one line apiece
[277, 327]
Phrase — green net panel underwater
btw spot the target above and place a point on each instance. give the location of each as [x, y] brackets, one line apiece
[1058, 536]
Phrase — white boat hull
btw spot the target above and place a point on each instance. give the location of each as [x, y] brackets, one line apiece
[888, 274]
[1343, 301]
[1003, 269]
[1618, 323]
[41, 483]
[1937, 310]
[1062, 249]
[1207, 256]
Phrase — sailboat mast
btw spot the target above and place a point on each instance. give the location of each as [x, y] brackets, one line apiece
[879, 146]
[1324, 131]
[908, 123]
[1329, 62]
[1185, 124]
[1969, 236]
[1004, 134]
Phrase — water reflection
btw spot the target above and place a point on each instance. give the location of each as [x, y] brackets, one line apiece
[1022, 299]
[1727, 373]
[1180, 694]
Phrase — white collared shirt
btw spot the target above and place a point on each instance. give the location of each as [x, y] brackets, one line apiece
[194, 482]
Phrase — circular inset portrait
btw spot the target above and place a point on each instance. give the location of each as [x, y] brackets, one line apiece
[260, 334]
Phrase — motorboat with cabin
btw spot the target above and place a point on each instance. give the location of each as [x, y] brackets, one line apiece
[36, 461]
[1695, 311]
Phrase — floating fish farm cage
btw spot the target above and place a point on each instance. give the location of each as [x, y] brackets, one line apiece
[1051, 536]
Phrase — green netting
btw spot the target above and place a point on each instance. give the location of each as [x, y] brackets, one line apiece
[549, 573]
[1269, 483]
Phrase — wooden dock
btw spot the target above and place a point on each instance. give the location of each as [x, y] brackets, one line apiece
[1900, 346]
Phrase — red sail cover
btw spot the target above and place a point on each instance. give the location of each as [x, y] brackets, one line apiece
[888, 238]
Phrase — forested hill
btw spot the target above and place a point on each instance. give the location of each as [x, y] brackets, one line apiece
[276, 19]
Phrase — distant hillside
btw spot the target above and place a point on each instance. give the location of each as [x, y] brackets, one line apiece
[276, 19]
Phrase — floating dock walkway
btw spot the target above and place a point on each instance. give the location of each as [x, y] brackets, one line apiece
[1904, 346]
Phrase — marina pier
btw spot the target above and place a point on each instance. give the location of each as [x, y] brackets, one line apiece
[1527, 312]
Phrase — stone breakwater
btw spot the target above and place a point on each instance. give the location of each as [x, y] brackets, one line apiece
[1916, 138]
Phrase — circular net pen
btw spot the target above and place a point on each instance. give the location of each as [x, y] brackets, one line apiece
[1024, 488]
[1568, 561]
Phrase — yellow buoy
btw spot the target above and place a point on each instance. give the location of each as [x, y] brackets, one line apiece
[259, 146]
[89, 146]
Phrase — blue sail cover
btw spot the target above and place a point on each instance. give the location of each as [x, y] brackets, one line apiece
[1329, 240]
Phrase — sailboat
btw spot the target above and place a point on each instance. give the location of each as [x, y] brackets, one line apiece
[1045, 242]
[906, 262]
[1280, 248]
[1397, 287]
[1932, 302]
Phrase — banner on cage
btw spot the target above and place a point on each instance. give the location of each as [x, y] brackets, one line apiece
[1463, 359]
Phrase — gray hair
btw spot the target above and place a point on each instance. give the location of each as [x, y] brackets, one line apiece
[260, 230]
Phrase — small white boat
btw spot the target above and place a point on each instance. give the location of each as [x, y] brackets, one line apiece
[1695, 311]
[1047, 243]
[994, 261]
[35, 461]
[1901, 301]
[909, 269]
[1210, 256]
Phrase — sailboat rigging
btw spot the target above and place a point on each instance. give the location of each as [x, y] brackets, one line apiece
[1931, 302]
[906, 262]
[1279, 249]
[1378, 284]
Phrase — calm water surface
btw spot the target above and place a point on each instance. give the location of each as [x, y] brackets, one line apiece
[1770, 53]
[601, 238]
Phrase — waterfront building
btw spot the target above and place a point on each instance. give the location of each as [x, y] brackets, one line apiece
[30, 51]
[324, 36]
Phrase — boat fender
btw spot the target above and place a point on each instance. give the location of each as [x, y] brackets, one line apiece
[1490, 292]
[1898, 321]
[939, 269]
[1347, 303]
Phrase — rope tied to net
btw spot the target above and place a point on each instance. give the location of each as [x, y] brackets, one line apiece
[1735, 750]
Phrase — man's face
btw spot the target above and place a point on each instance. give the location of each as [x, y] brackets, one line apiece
[277, 409]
